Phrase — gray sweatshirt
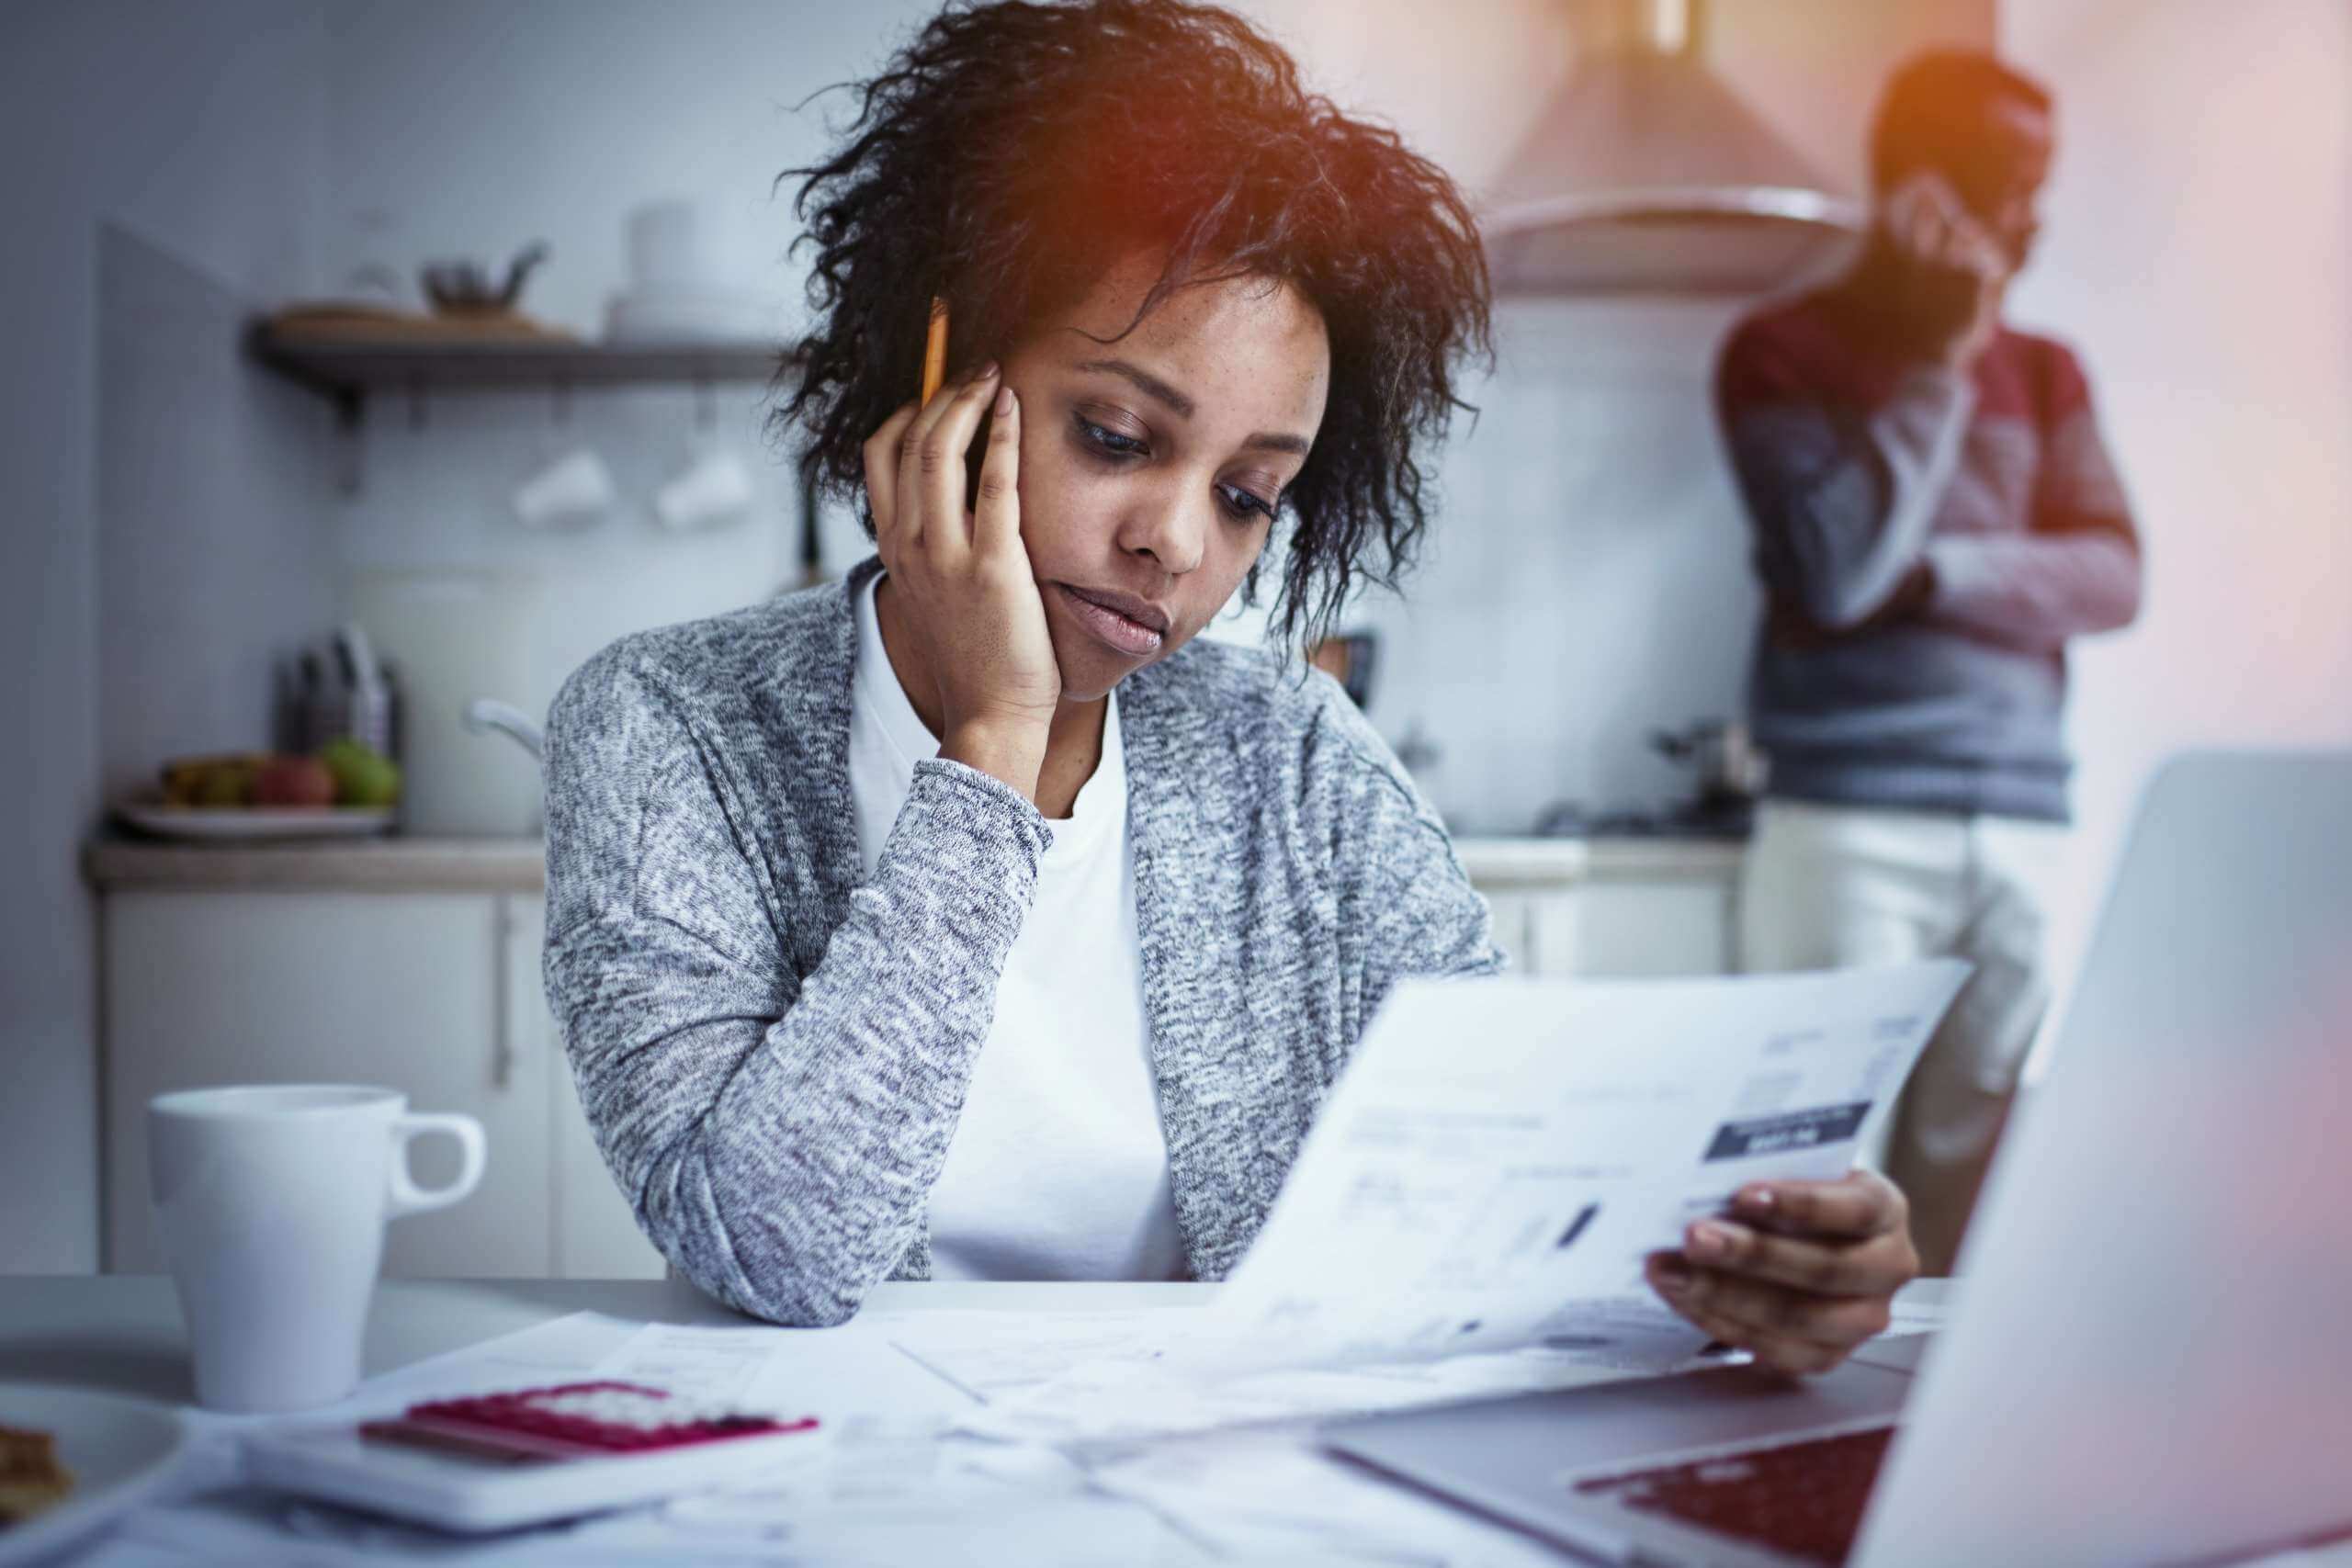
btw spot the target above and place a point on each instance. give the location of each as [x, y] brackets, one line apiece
[1929, 543]
[774, 1054]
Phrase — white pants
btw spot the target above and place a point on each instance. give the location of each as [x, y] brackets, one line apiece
[1826, 886]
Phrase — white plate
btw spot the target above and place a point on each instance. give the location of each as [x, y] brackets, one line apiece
[121, 1452]
[249, 822]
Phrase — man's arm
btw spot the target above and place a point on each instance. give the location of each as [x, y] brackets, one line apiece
[1841, 496]
[2077, 571]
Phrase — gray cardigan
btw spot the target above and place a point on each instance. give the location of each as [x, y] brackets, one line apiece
[773, 1054]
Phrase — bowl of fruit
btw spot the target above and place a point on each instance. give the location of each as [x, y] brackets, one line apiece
[347, 789]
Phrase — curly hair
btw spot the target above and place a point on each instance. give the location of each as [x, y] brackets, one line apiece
[1011, 152]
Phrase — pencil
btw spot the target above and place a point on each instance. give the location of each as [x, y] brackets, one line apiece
[934, 349]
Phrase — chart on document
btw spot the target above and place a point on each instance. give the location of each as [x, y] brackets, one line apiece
[1502, 1156]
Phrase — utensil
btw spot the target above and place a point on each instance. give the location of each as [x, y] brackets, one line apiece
[368, 708]
[463, 288]
[1732, 770]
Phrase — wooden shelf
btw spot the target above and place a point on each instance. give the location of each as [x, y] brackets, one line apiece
[345, 372]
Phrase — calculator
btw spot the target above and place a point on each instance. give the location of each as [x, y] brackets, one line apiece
[497, 1461]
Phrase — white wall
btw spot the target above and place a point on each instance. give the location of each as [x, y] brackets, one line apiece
[216, 555]
[465, 130]
[277, 145]
[200, 129]
[1588, 520]
[2198, 254]
[1588, 579]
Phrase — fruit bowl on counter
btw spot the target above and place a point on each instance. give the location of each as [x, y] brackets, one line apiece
[346, 790]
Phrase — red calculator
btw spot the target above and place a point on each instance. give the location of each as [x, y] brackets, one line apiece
[575, 1420]
[495, 1461]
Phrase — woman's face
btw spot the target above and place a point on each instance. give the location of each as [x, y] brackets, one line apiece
[1149, 466]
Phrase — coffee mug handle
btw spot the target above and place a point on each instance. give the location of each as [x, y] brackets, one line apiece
[406, 1196]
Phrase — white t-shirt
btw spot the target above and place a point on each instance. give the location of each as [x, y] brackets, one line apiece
[1059, 1168]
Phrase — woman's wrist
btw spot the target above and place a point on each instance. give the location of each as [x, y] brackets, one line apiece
[1009, 754]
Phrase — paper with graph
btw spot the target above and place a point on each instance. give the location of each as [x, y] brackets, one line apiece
[1502, 1155]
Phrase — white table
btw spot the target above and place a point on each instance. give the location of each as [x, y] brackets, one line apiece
[123, 1333]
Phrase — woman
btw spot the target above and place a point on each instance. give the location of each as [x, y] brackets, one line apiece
[970, 919]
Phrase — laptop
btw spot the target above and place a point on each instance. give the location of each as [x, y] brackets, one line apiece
[2150, 1355]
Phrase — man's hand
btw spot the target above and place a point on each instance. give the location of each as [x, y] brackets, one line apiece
[1951, 249]
[1801, 1272]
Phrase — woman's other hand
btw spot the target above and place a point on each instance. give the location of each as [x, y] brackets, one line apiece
[968, 597]
[1800, 1273]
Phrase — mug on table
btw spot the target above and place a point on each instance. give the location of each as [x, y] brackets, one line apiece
[271, 1201]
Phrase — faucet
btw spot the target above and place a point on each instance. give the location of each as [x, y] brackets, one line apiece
[486, 714]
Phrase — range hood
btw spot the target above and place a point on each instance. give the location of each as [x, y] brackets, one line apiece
[1646, 174]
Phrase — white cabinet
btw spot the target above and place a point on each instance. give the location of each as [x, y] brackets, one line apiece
[415, 965]
[1598, 908]
[435, 994]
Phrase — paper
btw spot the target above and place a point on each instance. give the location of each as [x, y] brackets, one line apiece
[1915, 1312]
[1123, 1400]
[1501, 1155]
[888, 1483]
[824, 1373]
[992, 1354]
[1273, 1498]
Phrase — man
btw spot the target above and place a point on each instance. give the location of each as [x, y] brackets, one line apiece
[1934, 517]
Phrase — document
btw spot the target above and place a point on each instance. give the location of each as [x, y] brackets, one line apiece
[1471, 1213]
[1502, 1156]
[1274, 1498]
[789, 1373]
[1150, 1391]
[992, 1354]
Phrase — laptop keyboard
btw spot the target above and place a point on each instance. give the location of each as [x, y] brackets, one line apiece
[1803, 1498]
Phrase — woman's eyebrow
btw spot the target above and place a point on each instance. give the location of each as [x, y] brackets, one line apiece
[1153, 387]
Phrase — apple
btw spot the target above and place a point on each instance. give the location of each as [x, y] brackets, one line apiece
[294, 781]
[362, 776]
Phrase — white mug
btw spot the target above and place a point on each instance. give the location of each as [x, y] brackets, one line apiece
[570, 491]
[713, 488]
[271, 1201]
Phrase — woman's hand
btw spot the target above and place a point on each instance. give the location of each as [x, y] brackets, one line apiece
[967, 595]
[1801, 1273]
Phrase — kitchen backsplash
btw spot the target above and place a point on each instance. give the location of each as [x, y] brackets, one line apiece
[1585, 581]
[216, 544]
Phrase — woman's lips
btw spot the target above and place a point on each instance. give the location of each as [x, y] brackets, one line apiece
[1119, 632]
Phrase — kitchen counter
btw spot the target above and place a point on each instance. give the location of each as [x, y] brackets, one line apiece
[391, 865]
[400, 864]
[1496, 863]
